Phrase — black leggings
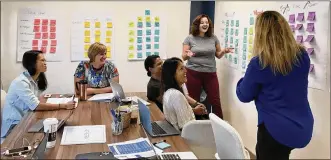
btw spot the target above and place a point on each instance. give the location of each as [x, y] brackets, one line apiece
[267, 148]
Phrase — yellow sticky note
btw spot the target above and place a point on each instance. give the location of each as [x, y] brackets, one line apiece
[87, 33]
[97, 33]
[97, 25]
[131, 39]
[131, 47]
[251, 30]
[86, 47]
[87, 40]
[131, 55]
[249, 56]
[109, 33]
[87, 24]
[108, 54]
[85, 55]
[250, 40]
[250, 48]
[157, 19]
[140, 19]
[109, 24]
[148, 19]
[131, 32]
[108, 40]
[108, 48]
[131, 24]
[97, 38]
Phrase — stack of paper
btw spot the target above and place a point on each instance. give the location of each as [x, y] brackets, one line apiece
[102, 97]
[84, 134]
[61, 101]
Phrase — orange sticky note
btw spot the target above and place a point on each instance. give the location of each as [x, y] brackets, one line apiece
[109, 33]
[87, 33]
[109, 24]
[97, 25]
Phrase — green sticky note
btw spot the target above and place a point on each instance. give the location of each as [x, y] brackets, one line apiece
[226, 56]
[148, 54]
[148, 46]
[236, 42]
[244, 56]
[139, 39]
[226, 30]
[227, 23]
[244, 47]
[156, 38]
[226, 45]
[231, 40]
[245, 31]
[226, 39]
[140, 32]
[140, 55]
[156, 53]
[251, 21]
[236, 51]
[156, 46]
[237, 32]
[235, 60]
[245, 39]
[230, 58]
[147, 12]
[148, 32]
[139, 47]
[148, 24]
[157, 24]
[237, 23]
[157, 32]
[231, 32]
[148, 39]
[232, 23]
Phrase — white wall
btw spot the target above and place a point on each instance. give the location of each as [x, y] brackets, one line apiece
[244, 116]
[133, 76]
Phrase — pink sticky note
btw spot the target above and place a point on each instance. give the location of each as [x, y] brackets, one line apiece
[53, 42]
[45, 22]
[292, 18]
[52, 50]
[37, 35]
[52, 36]
[53, 22]
[311, 68]
[34, 48]
[310, 27]
[309, 38]
[301, 17]
[44, 43]
[36, 22]
[36, 29]
[53, 29]
[292, 28]
[34, 42]
[310, 51]
[44, 28]
[299, 26]
[299, 39]
[44, 49]
[311, 16]
[45, 35]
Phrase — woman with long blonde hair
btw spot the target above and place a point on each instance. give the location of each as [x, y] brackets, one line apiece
[277, 80]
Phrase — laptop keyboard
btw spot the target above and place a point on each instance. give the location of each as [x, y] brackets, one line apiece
[156, 129]
[168, 156]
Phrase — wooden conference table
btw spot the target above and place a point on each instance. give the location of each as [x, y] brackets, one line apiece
[87, 113]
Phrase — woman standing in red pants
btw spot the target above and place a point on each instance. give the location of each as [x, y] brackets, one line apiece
[200, 49]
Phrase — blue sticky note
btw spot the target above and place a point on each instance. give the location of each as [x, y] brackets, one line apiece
[236, 50]
[140, 32]
[147, 12]
[232, 23]
[148, 24]
[139, 47]
[156, 53]
[157, 24]
[148, 32]
[231, 40]
[139, 55]
[156, 46]
[157, 32]
[245, 31]
[139, 39]
[156, 39]
[251, 21]
[244, 47]
[237, 32]
[245, 39]
[227, 23]
[148, 46]
[140, 24]
[226, 39]
[148, 54]
[148, 39]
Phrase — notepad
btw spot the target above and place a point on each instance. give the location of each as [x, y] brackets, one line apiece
[83, 134]
[102, 97]
[61, 101]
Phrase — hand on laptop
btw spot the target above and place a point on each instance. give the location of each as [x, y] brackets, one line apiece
[69, 105]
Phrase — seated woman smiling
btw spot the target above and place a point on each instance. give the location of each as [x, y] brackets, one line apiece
[98, 72]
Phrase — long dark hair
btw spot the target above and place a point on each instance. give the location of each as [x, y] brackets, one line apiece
[29, 63]
[149, 63]
[168, 79]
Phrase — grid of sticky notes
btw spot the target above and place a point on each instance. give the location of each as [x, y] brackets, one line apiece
[231, 40]
[144, 36]
[97, 31]
[44, 35]
[303, 27]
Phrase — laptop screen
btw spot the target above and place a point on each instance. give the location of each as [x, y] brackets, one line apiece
[145, 117]
[117, 90]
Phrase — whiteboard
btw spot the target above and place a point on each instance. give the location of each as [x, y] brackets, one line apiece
[246, 13]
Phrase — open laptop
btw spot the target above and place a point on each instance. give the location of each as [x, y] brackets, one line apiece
[39, 126]
[120, 95]
[39, 153]
[157, 128]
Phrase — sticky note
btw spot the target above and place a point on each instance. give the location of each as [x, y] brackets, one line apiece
[156, 46]
[52, 29]
[157, 19]
[97, 24]
[44, 42]
[311, 68]
[226, 45]
[309, 38]
[97, 38]
[34, 42]
[43, 49]
[131, 24]
[251, 31]
[148, 46]
[52, 36]
[245, 31]
[148, 32]
[87, 24]
[250, 48]
[156, 39]
[108, 40]
[147, 12]
[131, 47]
[226, 30]
[292, 28]
[231, 32]
[131, 39]
[311, 16]
[226, 56]
[156, 53]
[300, 17]
[230, 58]
[250, 40]
[109, 33]
[140, 19]
[310, 51]
[148, 54]
[36, 29]
[291, 18]
[244, 47]
[227, 23]
[108, 48]
[299, 39]
[232, 23]
[299, 26]
[86, 47]
[231, 40]
[244, 57]
[140, 24]
[237, 32]
[236, 50]
[52, 22]
[97, 32]
[140, 32]
[249, 57]
[37, 35]
[87, 39]
[52, 50]
[236, 42]
[36, 22]
[157, 24]
[131, 32]
[87, 33]
[226, 39]
[245, 39]
[139, 55]
[45, 22]
[34, 48]
[131, 55]
[45, 35]
[148, 39]
[108, 55]
[148, 24]
[53, 42]
[235, 60]
[85, 55]
[148, 19]
[139, 39]
[157, 32]
[251, 20]
[237, 23]
[310, 27]
[44, 28]
[109, 24]
[139, 47]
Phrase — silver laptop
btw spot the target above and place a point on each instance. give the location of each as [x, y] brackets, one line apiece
[156, 128]
[119, 93]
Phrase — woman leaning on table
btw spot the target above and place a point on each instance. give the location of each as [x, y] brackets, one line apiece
[200, 49]
[24, 91]
[97, 71]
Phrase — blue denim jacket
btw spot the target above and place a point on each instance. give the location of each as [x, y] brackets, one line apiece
[22, 96]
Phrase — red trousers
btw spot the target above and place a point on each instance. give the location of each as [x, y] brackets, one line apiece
[209, 82]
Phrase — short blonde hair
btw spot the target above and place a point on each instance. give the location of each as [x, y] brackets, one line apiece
[274, 43]
[95, 49]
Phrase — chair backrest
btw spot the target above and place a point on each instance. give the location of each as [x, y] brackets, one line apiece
[228, 142]
[3, 97]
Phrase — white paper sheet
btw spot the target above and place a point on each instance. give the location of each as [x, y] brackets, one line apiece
[135, 99]
[83, 134]
[61, 100]
[100, 97]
